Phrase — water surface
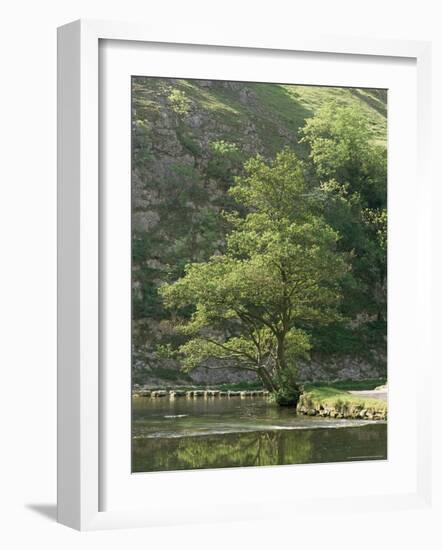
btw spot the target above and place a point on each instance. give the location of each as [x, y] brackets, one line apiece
[177, 434]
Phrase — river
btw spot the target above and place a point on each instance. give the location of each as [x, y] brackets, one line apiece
[178, 434]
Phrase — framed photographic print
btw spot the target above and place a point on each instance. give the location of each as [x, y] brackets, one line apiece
[235, 245]
[259, 268]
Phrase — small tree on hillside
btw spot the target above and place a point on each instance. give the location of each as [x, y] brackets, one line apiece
[280, 274]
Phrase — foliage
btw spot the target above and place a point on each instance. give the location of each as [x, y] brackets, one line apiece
[287, 391]
[344, 172]
[225, 161]
[188, 142]
[341, 149]
[280, 272]
[179, 102]
[142, 143]
[352, 169]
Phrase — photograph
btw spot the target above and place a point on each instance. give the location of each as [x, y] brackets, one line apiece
[258, 274]
[222, 263]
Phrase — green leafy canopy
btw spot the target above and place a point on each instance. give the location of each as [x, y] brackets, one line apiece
[280, 273]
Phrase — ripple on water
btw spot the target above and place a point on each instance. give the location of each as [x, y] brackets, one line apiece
[149, 433]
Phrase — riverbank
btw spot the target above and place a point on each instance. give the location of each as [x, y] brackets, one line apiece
[331, 401]
[172, 394]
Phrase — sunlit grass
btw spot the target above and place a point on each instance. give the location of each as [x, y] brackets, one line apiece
[334, 397]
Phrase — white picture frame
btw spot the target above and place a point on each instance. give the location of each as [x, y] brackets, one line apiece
[80, 369]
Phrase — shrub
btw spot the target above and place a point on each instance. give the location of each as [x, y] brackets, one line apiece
[179, 102]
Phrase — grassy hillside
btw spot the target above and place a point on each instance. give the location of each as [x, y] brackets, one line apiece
[190, 139]
[277, 111]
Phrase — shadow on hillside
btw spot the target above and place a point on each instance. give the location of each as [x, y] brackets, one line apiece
[371, 101]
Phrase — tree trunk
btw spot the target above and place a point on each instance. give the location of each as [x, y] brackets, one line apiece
[280, 352]
[266, 379]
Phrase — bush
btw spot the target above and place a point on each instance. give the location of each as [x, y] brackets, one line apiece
[179, 102]
[189, 143]
[288, 390]
[287, 396]
[225, 161]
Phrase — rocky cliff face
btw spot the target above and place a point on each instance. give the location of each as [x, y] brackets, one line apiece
[189, 140]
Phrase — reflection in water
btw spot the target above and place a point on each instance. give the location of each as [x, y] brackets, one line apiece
[191, 434]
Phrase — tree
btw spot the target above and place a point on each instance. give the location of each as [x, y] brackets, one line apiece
[279, 275]
[352, 170]
[343, 148]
